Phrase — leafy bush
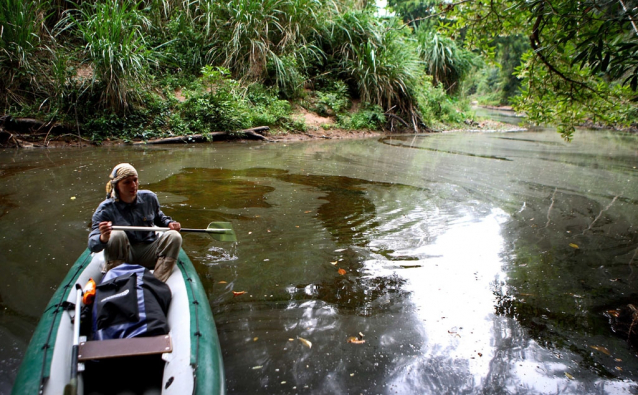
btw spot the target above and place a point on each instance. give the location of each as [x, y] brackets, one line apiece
[334, 97]
[369, 117]
[218, 105]
[266, 108]
[437, 108]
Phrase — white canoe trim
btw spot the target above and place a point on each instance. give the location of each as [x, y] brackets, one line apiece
[177, 365]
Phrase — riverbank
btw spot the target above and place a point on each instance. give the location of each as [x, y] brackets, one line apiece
[32, 133]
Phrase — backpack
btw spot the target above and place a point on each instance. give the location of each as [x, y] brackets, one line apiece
[130, 302]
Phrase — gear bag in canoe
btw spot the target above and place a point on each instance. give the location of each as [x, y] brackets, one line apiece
[130, 302]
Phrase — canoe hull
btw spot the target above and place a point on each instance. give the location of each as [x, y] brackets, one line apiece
[194, 367]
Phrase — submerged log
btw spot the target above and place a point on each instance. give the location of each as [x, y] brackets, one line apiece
[198, 138]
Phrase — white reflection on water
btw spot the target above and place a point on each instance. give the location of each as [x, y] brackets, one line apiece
[467, 347]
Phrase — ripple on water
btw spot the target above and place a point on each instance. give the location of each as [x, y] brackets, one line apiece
[217, 255]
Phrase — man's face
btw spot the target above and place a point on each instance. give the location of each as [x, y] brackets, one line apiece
[127, 189]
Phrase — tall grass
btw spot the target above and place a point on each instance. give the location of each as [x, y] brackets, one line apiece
[114, 44]
[446, 62]
[282, 45]
[21, 23]
[380, 58]
[256, 38]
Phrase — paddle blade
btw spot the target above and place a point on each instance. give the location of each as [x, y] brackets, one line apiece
[227, 235]
[71, 388]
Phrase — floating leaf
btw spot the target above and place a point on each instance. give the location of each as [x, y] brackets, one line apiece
[237, 293]
[222, 282]
[613, 313]
[305, 342]
[618, 368]
[355, 340]
[618, 360]
[569, 376]
[573, 245]
[334, 263]
[255, 339]
[340, 250]
[257, 367]
[342, 271]
[72, 197]
[306, 212]
[291, 339]
[601, 349]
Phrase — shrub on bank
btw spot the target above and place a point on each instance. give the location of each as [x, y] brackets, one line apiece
[112, 68]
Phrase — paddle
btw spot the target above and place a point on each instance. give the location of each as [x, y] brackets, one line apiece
[221, 231]
[72, 387]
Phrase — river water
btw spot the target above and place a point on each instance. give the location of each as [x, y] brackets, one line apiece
[471, 263]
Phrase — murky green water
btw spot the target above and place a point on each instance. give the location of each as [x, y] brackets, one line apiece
[474, 263]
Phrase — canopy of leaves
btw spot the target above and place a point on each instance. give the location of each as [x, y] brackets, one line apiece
[582, 65]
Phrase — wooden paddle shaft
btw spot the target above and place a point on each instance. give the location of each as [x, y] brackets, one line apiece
[153, 229]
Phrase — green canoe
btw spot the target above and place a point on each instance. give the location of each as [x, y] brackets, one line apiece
[193, 366]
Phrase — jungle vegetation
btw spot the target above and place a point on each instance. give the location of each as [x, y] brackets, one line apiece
[579, 61]
[155, 68]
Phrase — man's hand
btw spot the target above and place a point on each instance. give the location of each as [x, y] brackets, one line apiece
[174, 226]
[105, 231]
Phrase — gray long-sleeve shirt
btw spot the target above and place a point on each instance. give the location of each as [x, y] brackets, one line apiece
[144, 211]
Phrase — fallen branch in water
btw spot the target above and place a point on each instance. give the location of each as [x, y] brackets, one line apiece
[198, 138]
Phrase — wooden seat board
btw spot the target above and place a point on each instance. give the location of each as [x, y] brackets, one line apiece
[114, 348]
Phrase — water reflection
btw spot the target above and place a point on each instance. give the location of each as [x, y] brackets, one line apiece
[464, 274]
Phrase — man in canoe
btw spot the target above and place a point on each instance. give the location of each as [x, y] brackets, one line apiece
[125, 205]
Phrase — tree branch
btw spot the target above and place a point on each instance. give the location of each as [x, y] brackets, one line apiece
[535, 43]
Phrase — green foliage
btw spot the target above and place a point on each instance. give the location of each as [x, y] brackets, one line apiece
[495, 82]
[332, 99]
[414, 12]
[115, 46]
[219, 105]
[179, 44]
[255, 36]
[379, 58]
[151, 119]
[267, 109]
[446, 62]
[368, 117]
[20, 22]
[546, 100]
[288, 76]
[438, 108]
[580, 53]
[113, 67]
[20, 29]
